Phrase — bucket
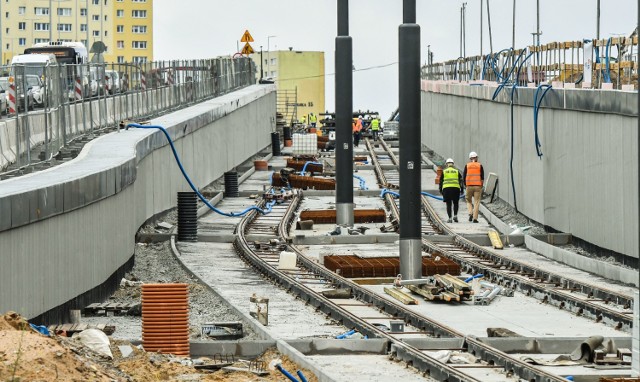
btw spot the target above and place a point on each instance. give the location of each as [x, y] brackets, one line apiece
[288, 142]
[261, 165]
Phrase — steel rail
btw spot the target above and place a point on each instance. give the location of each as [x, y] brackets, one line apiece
[518, 275]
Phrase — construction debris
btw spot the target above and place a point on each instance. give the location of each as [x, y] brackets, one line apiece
[401, 296]
[444, 288]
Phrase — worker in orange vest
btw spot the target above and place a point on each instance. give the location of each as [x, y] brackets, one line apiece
[473, 180]
[357, 128]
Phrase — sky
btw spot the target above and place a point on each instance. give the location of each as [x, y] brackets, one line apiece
[192, 29]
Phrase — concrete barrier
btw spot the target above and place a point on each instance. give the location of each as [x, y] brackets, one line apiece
[66, 230]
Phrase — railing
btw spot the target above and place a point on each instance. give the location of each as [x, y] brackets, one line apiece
[586, 64]
[57, 105]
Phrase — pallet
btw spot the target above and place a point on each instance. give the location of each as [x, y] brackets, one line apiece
[118, 309]
[70, 329]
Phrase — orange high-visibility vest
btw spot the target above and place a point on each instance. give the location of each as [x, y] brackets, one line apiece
[473, 174]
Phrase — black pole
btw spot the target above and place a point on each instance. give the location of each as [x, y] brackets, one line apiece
[344, 110]
[261, 71]
[410, 145]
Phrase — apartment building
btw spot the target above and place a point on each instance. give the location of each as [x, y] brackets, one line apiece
[125, 27]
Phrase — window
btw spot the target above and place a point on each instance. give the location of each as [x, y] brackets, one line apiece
[120, 59]
[40, 40]
[105, 2]
[274, 61]
[120, 13]
[105, 33]
[139, 29]
[139, 14]
[139, 44]
[120, 28]
[84, 42]
[274, 74]
[139, 59]
[83, 11]
[39, 11]
[22, 41]
[64, 27]
[120, 44]
[95, 2]
[96, 33]
[6, 14]
[119, 1]
[95, 17]
[83, 27]
[139, 1]
[22, 26]
[22, 10]
[105, 17]
[41, 26]
[64, 11]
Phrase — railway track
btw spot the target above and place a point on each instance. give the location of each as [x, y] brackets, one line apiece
[580, 298]
[365, 309]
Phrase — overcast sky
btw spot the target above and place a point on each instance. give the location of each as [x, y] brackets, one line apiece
[190, 29]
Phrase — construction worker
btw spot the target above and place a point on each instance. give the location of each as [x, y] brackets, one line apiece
[375, 127]
[313, 120]
[303, 120]
[357, 128]
[473, 181]
[451, 188]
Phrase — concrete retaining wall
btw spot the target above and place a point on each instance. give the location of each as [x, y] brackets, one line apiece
[586, 182]
[66, 230]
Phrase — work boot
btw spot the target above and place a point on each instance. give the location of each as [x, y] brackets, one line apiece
[449, 220]
[470, 217]
[475, 220]
[455, 218]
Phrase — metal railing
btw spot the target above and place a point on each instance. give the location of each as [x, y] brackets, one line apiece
[58, 105]
[602, 64]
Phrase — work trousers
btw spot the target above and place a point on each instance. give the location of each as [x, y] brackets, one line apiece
[451, 196]
[473, 196]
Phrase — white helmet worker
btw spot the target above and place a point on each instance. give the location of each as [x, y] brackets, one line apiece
[473, 155]
[449, 161]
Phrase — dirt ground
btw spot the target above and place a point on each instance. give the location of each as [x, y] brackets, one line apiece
[26, 355]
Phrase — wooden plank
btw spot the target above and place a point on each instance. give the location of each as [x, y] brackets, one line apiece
[400, 296]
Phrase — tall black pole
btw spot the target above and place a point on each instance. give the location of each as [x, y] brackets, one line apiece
[344, 110]
[410, 144]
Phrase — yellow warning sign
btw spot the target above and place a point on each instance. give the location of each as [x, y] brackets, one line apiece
[246, 37]
[247, 49]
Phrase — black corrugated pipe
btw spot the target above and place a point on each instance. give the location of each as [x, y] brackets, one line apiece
[275, 144]
[231, 185]
[410, 144]
[187, 216]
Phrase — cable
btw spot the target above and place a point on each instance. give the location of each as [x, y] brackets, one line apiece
[333, 74]
[363, 185]
[536, 108]
[193, 187]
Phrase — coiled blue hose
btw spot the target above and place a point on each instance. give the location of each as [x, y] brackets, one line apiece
[304, 168]
[193, 187]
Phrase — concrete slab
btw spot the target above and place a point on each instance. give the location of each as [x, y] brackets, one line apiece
[374, 368]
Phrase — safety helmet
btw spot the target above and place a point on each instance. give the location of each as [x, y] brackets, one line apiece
[449, 161]
[473, 155]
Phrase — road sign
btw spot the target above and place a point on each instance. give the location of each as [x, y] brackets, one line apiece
[246, 37]
[247, 49]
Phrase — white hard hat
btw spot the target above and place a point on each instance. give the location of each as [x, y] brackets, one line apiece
[449, 160]
[473, 155]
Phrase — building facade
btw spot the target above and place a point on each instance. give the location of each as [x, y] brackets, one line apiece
[125, 27]
[299, 78]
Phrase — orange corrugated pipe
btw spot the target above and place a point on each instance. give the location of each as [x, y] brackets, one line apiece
[165, 318]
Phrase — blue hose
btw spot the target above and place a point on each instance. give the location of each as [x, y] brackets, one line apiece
[397, 195]
[286, 373]
[345, 335]
[474, 277]
[536, 108]
[304, 168]
[363, 185]
[302, 377]
[607, 73]
[193, 187]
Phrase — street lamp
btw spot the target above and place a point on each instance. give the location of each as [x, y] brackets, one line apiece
[268, 53]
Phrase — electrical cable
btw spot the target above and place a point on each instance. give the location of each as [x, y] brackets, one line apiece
[536, 108]
[265, 211]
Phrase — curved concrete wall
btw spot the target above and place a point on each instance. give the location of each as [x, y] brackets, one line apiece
[68, 229]
[586, 182]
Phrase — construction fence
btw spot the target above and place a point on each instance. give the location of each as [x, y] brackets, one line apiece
[610, 64]
[46, 109]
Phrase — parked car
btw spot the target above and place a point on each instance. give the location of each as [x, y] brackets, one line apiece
[20, 95]
[35, 85]
[112, 81]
